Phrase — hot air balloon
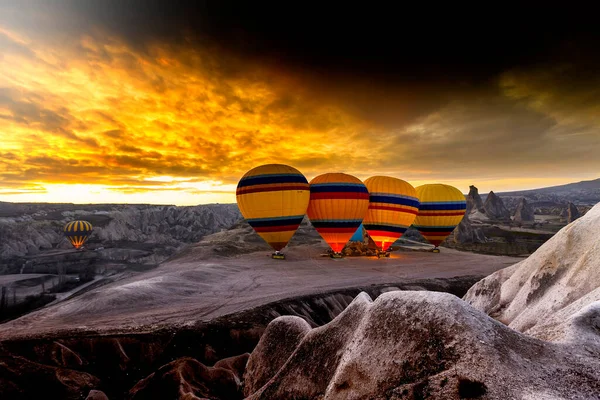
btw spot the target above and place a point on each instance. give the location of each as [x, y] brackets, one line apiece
[338, 204]
[77, 232]
[393, 206]
[273, 200]
[441, 210]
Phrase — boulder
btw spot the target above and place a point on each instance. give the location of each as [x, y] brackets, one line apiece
[524, 212]
[96, 395]
[554, 294]
[270, 355]
[494, 207]
[416, 345]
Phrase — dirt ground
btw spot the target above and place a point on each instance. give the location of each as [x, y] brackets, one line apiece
[199, 286]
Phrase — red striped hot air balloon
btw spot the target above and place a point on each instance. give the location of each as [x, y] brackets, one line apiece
[273, 200]
[338, 204]
[393, 206]
[441, 209]
[77, 232]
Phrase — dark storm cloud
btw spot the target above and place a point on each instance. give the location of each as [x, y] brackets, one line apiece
[379, 44]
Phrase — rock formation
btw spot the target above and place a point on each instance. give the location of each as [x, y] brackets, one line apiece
[414, 345]
[96, 395]
[187, 379]
[524, 212]
[270, 355]
[21, 378]
[466, 233]
[494, 207]
[474, 202]
[555, 293]
[572, 213]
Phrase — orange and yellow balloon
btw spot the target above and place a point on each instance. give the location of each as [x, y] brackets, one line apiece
[77, 232]
[338, 204]
[441, 209]
[393, 206]
[273, 199]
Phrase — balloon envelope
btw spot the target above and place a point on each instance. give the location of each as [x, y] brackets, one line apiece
[393, 206]
[77, 232]
[273, 200]
[441, 210]
[338, 203]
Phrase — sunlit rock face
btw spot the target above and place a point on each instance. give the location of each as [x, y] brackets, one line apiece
[409, 345]
[555, 293]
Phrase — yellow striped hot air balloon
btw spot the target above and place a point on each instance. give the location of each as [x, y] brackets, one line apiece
[77, 232]
[338, 204]
[273, 200]
[441, 210]
[393, 206]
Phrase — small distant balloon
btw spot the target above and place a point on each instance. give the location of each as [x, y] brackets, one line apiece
[273, 199]
[338, 204]
[441, 209]
[393, 206]
[77, 232]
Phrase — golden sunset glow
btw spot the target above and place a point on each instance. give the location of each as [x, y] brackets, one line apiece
[115, 120]
[90, 118]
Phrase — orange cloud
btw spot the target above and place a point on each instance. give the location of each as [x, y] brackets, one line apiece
[105, 119]
[96, 112]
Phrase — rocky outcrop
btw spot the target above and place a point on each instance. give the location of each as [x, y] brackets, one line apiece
[96, 395]
[555, 293]
[466, 233]
[120, 361]
[270, 355]
[524, 212]
[360, 249]
[414, 345]
[474, 202]
[21, 378]
[187, 378]
[572, 213]
[140, 234]
[494, 207]
[241, 239]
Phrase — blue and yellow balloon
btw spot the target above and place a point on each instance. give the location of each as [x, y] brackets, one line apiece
[273, 199]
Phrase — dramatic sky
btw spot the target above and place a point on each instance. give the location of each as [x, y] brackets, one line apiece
[151, 102]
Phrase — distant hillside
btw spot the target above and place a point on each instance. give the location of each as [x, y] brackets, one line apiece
[146, 233]
[580, 193]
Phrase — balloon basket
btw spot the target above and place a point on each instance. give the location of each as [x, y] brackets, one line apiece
[278, 256]
[336, 255]
[383, 254]
[436, 250]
